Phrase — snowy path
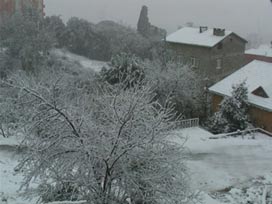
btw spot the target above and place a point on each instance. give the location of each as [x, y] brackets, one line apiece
[217, 164]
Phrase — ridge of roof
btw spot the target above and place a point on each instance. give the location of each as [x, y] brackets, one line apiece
[192, 36]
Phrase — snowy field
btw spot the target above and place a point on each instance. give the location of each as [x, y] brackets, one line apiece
[223, 171]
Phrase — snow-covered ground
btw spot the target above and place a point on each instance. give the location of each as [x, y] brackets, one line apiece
[10, 181]
[223, 171]
[218, 164]
[95, 65]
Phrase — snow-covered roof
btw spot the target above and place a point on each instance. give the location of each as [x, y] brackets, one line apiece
[192, 36]
[263, 50]
[256, 74]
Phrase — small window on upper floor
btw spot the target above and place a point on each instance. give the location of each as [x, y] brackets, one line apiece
[194, 62]
[219, 63]
[260, 92]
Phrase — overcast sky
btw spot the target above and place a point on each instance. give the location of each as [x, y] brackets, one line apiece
[241, 16]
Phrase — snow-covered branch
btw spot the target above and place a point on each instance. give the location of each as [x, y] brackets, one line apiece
[110, 149]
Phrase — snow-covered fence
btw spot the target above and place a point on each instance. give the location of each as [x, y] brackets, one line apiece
[248, 131]
[242, 133]
[194, 122]
[68, 202]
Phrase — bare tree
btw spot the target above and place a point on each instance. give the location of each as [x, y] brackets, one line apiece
[181, 83]
[106, 148]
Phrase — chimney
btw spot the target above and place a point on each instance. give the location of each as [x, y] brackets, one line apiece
[203, 29]
[218, 32]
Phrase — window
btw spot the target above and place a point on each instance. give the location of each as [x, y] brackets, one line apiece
[179, 59]
[194, 62]
[260, 92]
[219, 63]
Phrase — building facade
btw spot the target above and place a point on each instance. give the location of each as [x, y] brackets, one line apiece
[9, 7]
[212, 53]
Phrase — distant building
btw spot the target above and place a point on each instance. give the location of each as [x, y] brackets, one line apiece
[213, 53]
[9, 7]
[257, 75]
[263, 53]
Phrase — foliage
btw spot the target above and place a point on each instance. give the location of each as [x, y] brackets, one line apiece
[171, 79]
[232, 114]
[177, 81]
[112, 146]
[7, 64]
[147, 30]
[13, 114]
[25, 37]
[124, 69]
[124, 39]
[143, 25]
[56, 26]
[81, 38]
[62, 191]
[8, 116]
[98, 41]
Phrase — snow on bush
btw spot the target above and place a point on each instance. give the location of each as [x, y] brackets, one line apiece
[255, 192]
[233, 112]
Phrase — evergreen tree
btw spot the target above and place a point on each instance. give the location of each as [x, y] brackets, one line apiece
[57, 27]
[143, 26]
[81, 38]
[232, 113]
[124, 69]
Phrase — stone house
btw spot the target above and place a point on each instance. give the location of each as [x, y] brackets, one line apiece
[257, 75]
[262, 53]
[212, 53]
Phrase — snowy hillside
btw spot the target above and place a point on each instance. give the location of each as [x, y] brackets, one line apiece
[83, 61]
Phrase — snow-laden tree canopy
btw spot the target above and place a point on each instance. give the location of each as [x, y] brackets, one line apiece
[107, 148]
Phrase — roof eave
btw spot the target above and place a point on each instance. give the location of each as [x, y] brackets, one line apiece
[259, 55]
[206, 46]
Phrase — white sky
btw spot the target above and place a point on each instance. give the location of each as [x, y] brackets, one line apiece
[241, 16]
